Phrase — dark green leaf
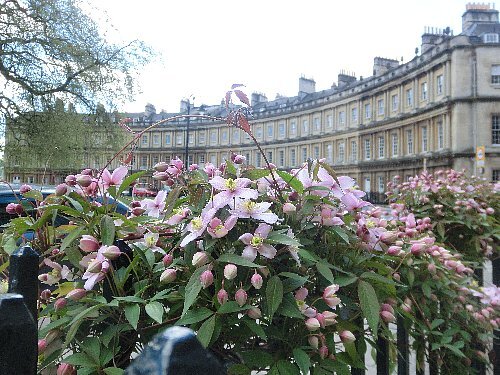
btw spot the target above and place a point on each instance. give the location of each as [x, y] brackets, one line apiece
[289, 307]
[294, 183]
[369, 305]
[302, 359]
[230, 168]
[113, 371]
[325, 272]
[230, 307]
[238, 260]
[155, 311]
[256, 328]
[283, 367]
[257, 358]
[274, 295]
[107, 230]
[132, 313]
[127, 181]
[206, 331]
[255, 174]
[73, 235]
[193, 288]
[239, 369]
[341, 233]
[194, 316]
[81, 359]
[376, 277]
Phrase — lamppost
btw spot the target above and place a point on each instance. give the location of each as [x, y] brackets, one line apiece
[186, 154]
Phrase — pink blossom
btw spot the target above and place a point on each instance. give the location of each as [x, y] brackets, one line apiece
[155, 206]
[218, 230]
[329, 295]
[58, 272]
[256, 281]
[231, 189]
[197, 226]
[94, 277]
[115, 179]
[351, 202]
[347, 185]
[89, 243]
[241, 297]
[179, 214]
[246, 209]
[255, 243]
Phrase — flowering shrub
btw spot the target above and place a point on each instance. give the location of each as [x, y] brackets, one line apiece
[273, 270]
[464, 210]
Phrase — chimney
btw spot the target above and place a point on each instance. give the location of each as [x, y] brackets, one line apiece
[306, 86]
[345, 78]
[149, 110]
[382, 65]
[257, 98]
[478, 13]
[184, 106]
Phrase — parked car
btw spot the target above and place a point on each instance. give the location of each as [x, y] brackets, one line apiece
[143, 191]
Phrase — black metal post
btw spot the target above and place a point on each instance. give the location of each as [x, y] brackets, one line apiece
[186, 161]
[18, 332]
[23, 277]
[382, 356]
[403, 347]
[359, 336]
[495, 264]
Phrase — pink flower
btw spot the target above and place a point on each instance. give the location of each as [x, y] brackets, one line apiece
[179, 214]
[154, 206]
[245, 209]
[197, 226]
[312, 324]
[329, 295]
[66, 369]
[94, 277]
[89, 243]
[347, 336]
[351, 202]
[231, 189]
[58, 272]
[115, 179]
[218, 230]
[347, 185]
[255, 243]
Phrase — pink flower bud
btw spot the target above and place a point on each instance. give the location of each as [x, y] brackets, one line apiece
[200, 259]
[84, 180]
[206, 279]
[310, 312]
[406, 307]
[168, 275]
[222, 296]
[88, 243]
[111, 252]
[256, 281]
[14, 209]
[301, 294]
[387, 316]
[330, 297]
[396, 276]
[167, 260]
[347, 336]
[321, 319]
[61, 189]
[241, 297]
[312, 324]
[330, 318]
[230, 271]
[138, 211]
[289, 208]
[161, 176]
[76, 294]
[254, 312]
[387, 307]
[417, 248]
[45, 294]
[294, 196]
[24, 189]
[94, 266]
[490, 211]
[60, 304]
[161, 166]
[86, 171]
[313, 341]
[42, 345]
[393, 250]
[70, 180]
[431, 267]
[55, 251]
[52, 335]
[323, 352]
[66, 369]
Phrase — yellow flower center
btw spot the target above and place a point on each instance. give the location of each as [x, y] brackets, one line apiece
[150, 241]
[196, 223]
[219, 227]
[231, 184]
[370, 224]
[249, 205]
[256, 241]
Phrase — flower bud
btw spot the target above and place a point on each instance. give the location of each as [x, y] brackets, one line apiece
[86, 171]
[222, 296]
[347, 336]
[61, 189]
[42, 345]
[431, 267]
[60, 304]
[313, 341]
[161, 166]
[241, 297]
[168, 275]
[161, 176]
[70, 180]
[396, 276]
[167, 260]
[94, 266]
[200, 259]
[301, 294]
[294, 196]
[88, 243]
[24, 189]
[66, 369]
[323, 352]
[256, 281]
[330, 297]
[387, 317]
[76, 294]
[206, 279]
[387, 307]
[84, 180]
[289, 208]
[230, 271]
[405, 307]
[312, 324]
[111, 252]
[138, 211]
[330, 318]
[14, 209]
[45, 294]
[254, 312]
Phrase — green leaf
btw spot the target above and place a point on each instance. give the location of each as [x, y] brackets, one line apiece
[283, 367]
[132, 313]
[274, 295]
[81, 359]
[75, 233]
[155, 311]
[171, 200]
[113, 371]
[10, 246]
[133, 299]
[127, 181]
[230, 307]
[238, 260]
[436, 323]
[376, 277]
[302, 359]
[194, 316]
[325, 272]
[230, 168]
[369, 305]
[426, 288]
[193, 288]
[257, 358]
[289, 307]
[34, 194]
[107, 230]
[282, 239]
[255, 174]
[206, 331]
[74, 256]
[345, 280]
[238, 369]
[341, 233]
[256, 328]
[455, 350]
[77, 320]
[293, 181]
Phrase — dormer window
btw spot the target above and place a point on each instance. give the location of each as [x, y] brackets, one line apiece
[490, 38]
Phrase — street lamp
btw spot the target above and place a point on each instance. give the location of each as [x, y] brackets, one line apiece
[186, 154]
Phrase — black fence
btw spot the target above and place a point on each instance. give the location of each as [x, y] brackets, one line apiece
[174, 351]
[376, 197]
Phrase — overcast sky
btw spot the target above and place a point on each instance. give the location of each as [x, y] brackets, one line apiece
[205, 46]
